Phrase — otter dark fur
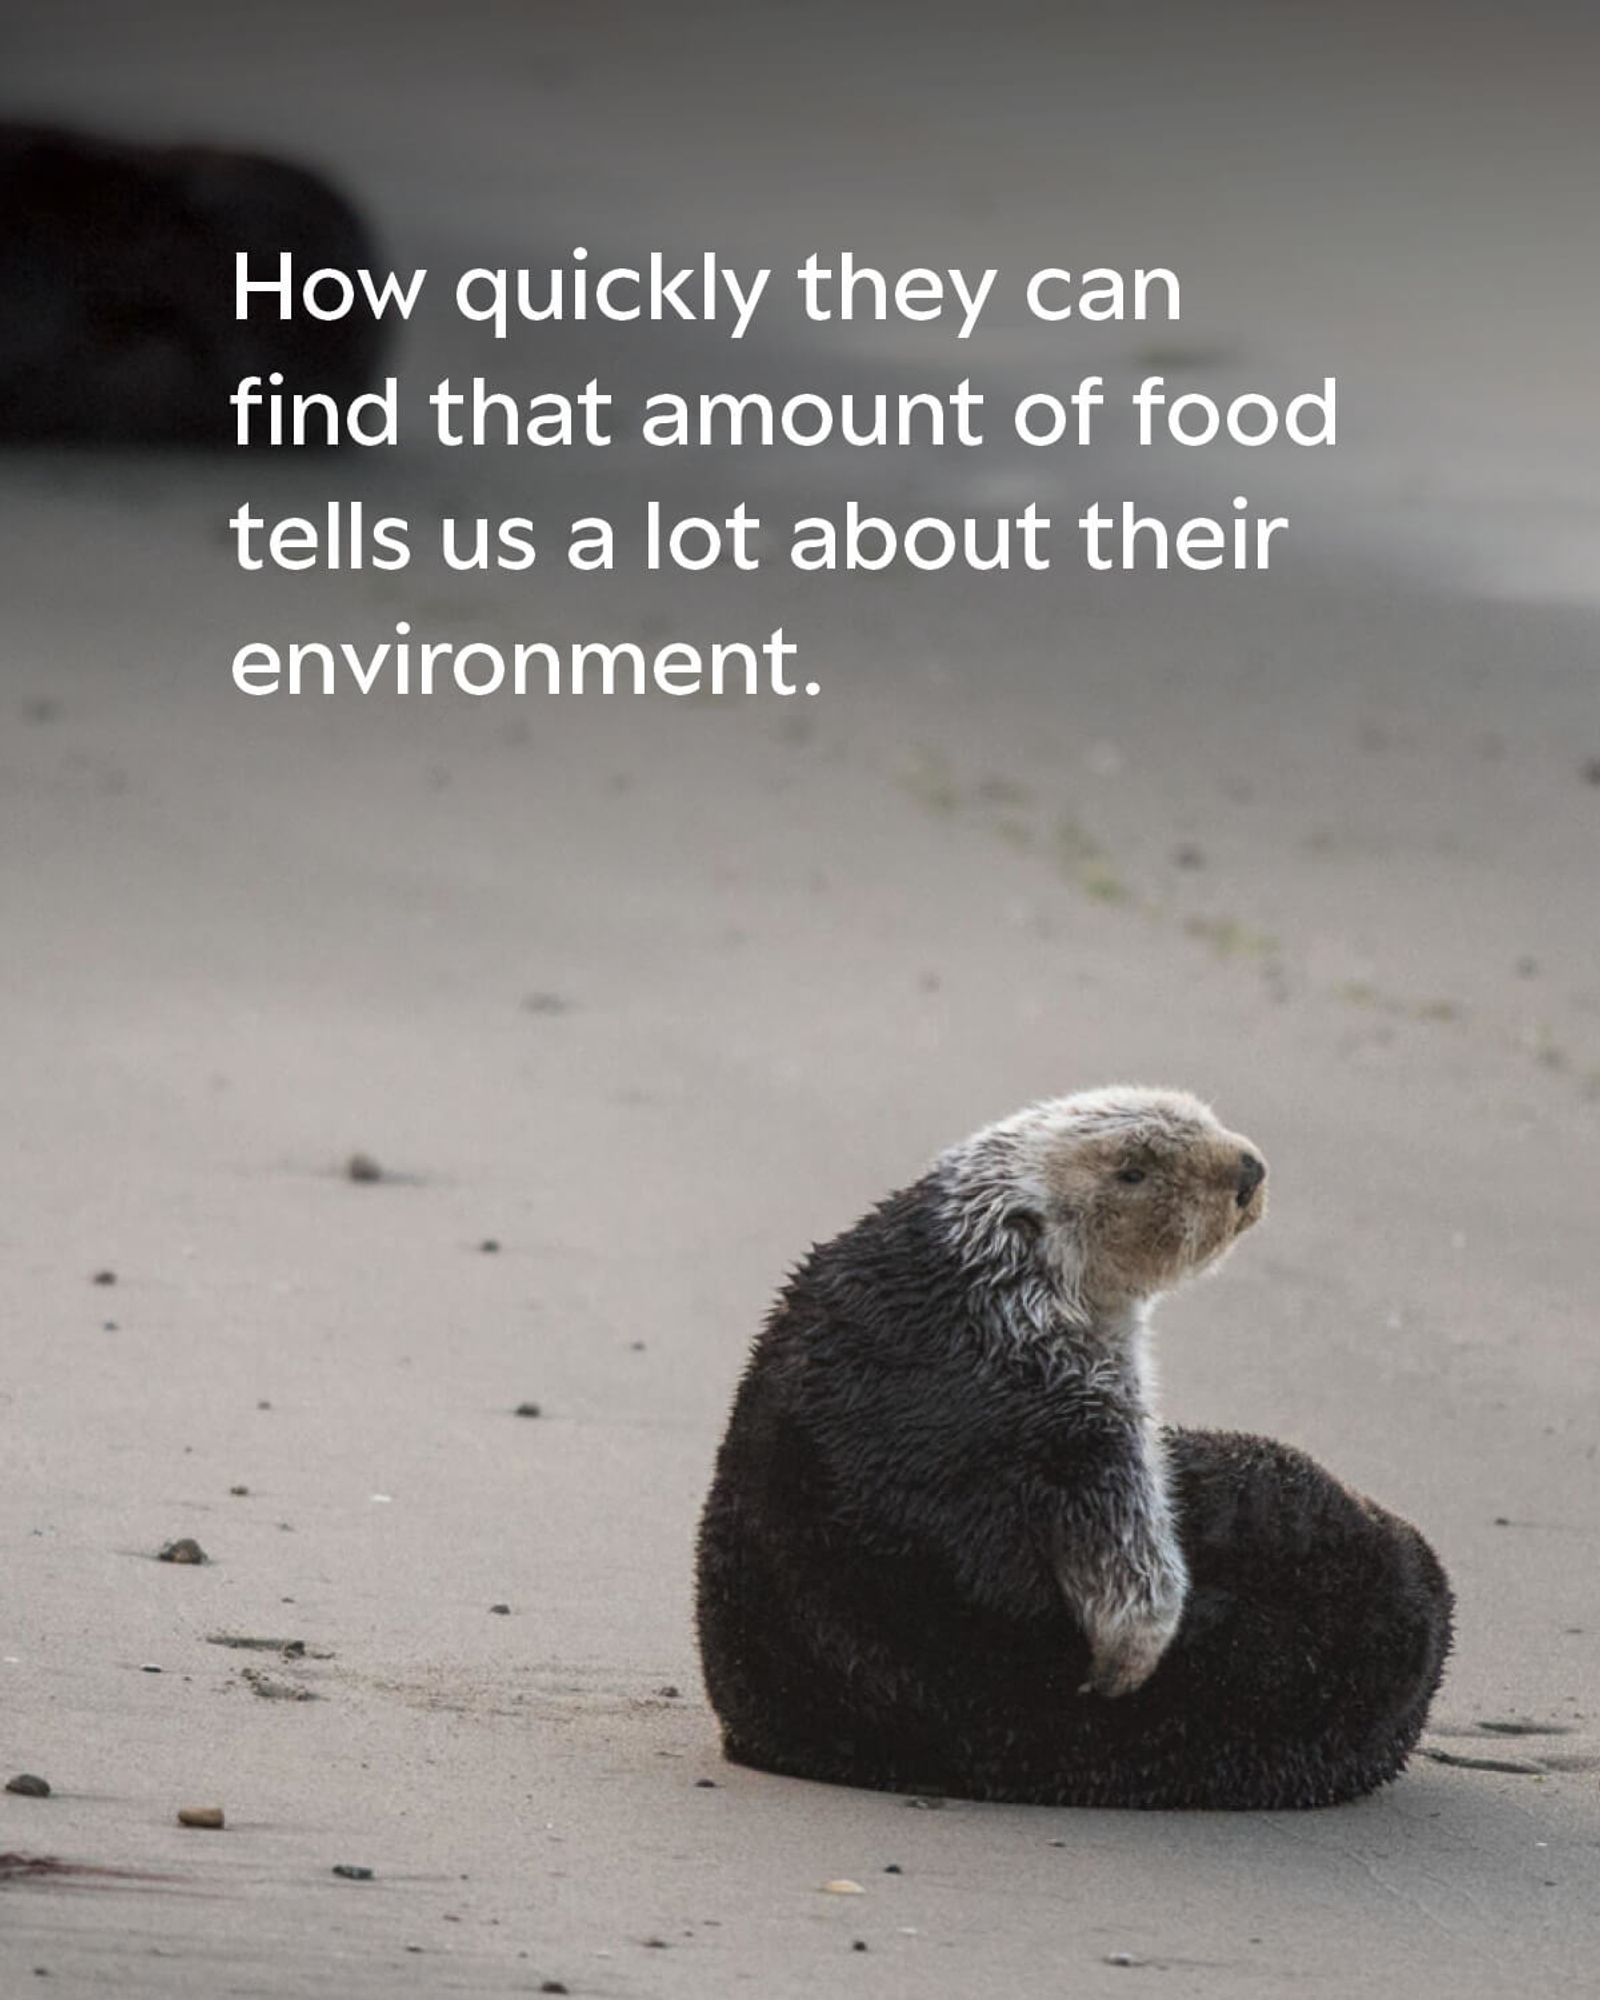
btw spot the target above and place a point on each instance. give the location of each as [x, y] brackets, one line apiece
[117, 287]
[948, 1550]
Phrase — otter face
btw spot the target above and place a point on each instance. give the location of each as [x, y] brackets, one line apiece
[1122, 1192]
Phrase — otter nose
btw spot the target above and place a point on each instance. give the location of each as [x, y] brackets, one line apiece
[1252, 1172]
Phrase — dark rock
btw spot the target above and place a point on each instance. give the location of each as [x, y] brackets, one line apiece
[528, 1410]
[27, 1786]
[362, 1168]
[185, 1550]
[349, 1872]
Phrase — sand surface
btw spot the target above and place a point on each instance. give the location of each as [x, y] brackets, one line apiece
[653, 995]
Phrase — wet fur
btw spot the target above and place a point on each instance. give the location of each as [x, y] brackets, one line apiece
[943, 1505]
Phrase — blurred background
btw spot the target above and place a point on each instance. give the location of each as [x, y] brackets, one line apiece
[653, 993]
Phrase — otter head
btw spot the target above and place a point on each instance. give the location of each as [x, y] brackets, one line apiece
[1111, 1197]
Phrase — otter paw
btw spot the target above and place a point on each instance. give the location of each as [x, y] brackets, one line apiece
[1121, 1665]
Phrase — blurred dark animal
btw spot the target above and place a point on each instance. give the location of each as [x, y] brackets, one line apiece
[117, 287]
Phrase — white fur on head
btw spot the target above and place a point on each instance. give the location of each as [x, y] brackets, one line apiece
[1003, 1207]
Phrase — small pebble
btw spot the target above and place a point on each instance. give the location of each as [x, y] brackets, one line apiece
[1188, 856]
[705, 1784]
[501, 1610]
[105, 1277]
[555, 1986]
[843, 1887]
[670, 1692]
[489, 1245]
[858, 1944]
[528, 1410]
[239, 1492]
[1591, 771]
[187, 1550]
[362, 1167]
[27, 1786]
[209, 1817]
[108, 1326]
[150, 1668]
[892, 1868]
[1122, 1958]
[349, 1872]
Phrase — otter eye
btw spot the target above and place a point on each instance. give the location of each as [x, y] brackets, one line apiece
[1131, 1176]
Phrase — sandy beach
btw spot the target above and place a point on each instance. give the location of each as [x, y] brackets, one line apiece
[651, 995]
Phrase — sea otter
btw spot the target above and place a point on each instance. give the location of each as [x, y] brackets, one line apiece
[117, 321]
[948, 1549]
